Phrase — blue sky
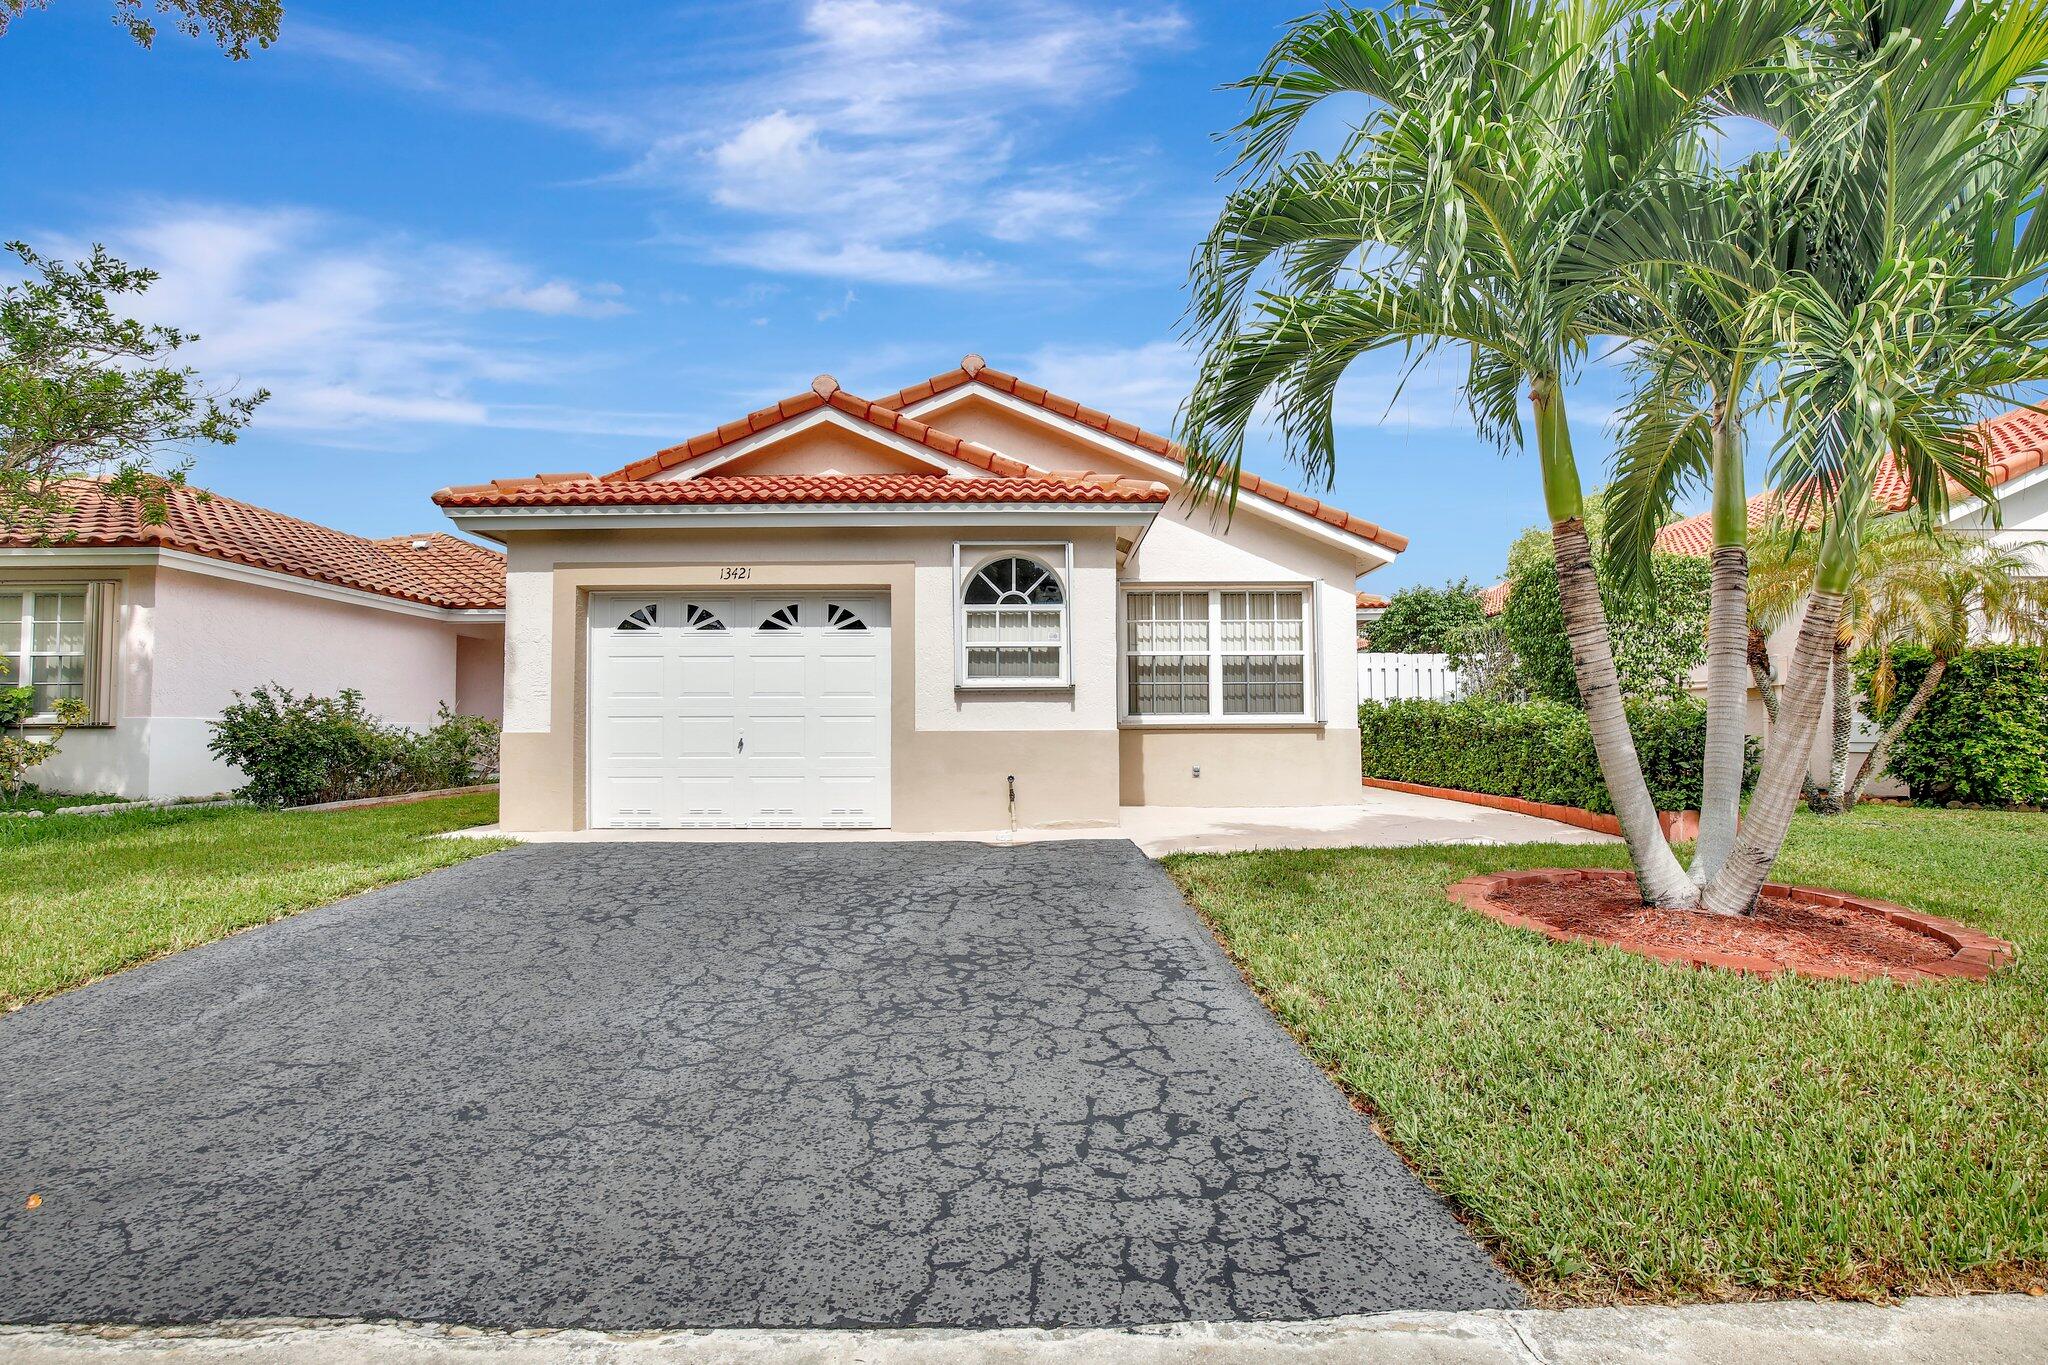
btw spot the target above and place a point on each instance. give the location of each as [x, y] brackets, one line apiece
[458, 248]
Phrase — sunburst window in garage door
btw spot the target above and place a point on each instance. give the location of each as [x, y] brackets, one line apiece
[782, 618]
[843, 618]
[642, 618]
[1014, 616]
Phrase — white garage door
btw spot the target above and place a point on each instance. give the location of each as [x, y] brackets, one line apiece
[753, 711]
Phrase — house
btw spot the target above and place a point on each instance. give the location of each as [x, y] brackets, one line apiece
[1370, 607]
[964, 606]
[155, 627]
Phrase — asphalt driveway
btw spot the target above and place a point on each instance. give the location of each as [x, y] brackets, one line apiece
[633, 1086]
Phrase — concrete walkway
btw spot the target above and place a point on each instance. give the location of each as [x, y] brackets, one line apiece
[1985, 1331]
[1378, 819]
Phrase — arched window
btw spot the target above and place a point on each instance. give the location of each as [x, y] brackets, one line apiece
[1013, 622]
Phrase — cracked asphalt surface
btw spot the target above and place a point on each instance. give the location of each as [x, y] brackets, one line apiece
[643, 1085]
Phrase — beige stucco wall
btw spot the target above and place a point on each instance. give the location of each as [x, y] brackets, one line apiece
[952, 750]
[1299, 766]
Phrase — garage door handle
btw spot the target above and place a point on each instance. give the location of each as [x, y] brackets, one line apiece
[743, 744]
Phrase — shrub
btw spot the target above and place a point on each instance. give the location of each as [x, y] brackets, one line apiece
[1538, 751]
[1659, 630]
[1422, 620]
[301, 750]
[1984, 734]
[19, 753]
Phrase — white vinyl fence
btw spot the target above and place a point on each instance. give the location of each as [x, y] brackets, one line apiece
[1406, 677]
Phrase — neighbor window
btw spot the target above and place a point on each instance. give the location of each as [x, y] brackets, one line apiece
[1220, 652]
[1013, 622]
[46, 641]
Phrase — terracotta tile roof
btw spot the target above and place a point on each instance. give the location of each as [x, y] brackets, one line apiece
[973, 370]
[586, 491]
[1371, 601]
[2015, 443]
[825, 392]
[445, 572]
[1494, 600]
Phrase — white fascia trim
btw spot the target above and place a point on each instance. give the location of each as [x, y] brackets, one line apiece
[1957, 511]
[86, 557]
[825, 416]
[1176, 475]
[492, 520]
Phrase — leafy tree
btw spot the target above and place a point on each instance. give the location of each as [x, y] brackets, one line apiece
[1983, 736]
[234, 24]
[1515, 157]
[1421, 619]
[87, 393]
[1659, 627]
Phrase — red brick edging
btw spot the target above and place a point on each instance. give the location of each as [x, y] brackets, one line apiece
[1977, 955]
[1680, 826]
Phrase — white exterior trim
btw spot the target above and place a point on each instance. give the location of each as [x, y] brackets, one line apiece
[90, 557]
[484, 520]
[1265, 507]
[1975, 506]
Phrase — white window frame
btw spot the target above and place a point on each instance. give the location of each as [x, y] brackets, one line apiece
[1311, 713]
[969, 558]
[99, 643]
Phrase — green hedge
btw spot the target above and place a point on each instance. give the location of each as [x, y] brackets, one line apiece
[1984, 735]
[1538, 751]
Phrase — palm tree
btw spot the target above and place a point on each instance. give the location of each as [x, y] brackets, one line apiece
[1929, 587]
[1892, 338]
[1518, 151]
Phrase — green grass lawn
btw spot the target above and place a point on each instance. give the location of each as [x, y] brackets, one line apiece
[49, 801]
[81, 896]
[1621, 1129]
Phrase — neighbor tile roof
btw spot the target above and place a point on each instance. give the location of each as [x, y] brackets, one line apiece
[444, 571]
[2015, 443]
[1371, 601]
[973, 370]
[1494, 600]
[742, 490]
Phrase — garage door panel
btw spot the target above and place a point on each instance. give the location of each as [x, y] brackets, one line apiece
[634, 800]
[850, 801]
[848, 738]
[777, 800]
[678, 682]
[638, 677]
[706, 676]
[634, 739]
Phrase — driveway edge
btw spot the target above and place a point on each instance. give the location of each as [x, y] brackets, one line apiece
[1988, 1328]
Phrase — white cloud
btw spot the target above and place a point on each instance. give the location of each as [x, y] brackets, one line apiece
[1143, 384]
[891, 136]
[351, 330]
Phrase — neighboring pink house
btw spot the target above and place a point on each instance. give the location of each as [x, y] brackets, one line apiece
[155, 628]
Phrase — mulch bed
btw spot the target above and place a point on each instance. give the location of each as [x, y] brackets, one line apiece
[1794, 929]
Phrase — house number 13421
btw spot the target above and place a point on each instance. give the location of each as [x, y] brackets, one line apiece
[733, 573]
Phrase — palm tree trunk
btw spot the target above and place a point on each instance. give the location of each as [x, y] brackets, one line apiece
[1727, 655]
[1660, 878]
[1734, 890]
[1760, 671]
[1843, 718]
[1874, 761]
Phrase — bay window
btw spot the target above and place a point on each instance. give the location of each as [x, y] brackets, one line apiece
[1219, 652]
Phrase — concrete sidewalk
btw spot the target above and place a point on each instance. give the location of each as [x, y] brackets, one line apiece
[1989, 1330]
[1378, 819]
